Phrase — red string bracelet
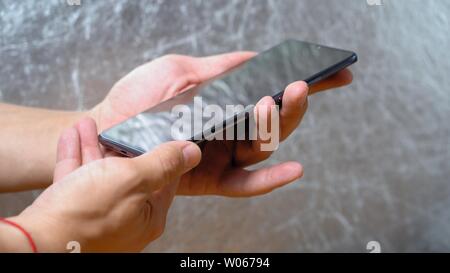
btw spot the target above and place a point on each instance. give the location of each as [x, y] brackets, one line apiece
[26, 233]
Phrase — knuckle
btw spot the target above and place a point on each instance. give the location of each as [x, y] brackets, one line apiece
[124, 168]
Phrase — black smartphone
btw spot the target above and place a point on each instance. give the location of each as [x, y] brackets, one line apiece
[268, 73]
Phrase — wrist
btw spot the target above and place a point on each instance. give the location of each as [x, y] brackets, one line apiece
[29, 145]
[46, 236]
[14, 238]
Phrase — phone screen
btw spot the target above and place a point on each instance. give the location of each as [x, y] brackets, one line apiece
[266, 74]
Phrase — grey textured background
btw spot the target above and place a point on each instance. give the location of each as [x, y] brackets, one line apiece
[376, 153]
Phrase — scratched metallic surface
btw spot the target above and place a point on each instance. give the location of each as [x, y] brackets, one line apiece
[376, 153]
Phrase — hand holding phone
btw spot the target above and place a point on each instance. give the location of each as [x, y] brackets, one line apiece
[263, 75]
[222, 162]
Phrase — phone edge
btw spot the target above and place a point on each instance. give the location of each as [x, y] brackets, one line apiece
[132, 152]
[353, 58]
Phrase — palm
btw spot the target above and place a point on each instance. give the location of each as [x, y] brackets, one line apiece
[221, 169]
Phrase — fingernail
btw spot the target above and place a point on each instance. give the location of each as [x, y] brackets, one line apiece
[191, 155]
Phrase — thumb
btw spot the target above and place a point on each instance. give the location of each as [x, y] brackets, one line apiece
[167, 163]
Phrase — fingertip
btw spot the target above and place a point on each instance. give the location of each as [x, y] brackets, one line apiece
[263, 108]
[347, 76]
[90, 149]
[300, 85]
[291, 171]
[297, 170]
[265, 101]
[296, 92]
[184, 153]
[191, 154]
[167, 162]
[86, 124]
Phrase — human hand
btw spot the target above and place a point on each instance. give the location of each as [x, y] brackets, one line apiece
[221, 171]
[106, 204]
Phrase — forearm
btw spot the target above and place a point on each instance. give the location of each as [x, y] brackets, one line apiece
[28, 138]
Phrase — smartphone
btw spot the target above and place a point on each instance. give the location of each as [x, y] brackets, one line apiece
[268, 73]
